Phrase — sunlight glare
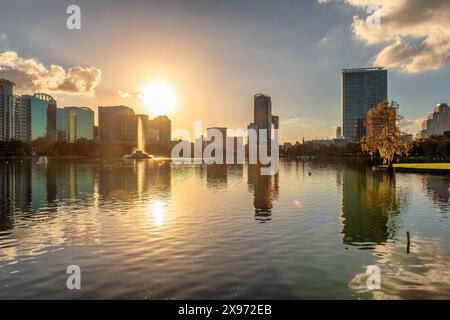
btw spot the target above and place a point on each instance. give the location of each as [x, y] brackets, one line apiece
[159, 97]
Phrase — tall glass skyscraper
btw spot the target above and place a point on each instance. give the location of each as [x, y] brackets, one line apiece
[35, 117]
[361, 90]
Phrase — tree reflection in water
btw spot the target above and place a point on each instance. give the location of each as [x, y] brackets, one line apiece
[371, 204]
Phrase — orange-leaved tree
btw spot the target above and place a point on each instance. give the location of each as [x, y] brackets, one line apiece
[385, 129]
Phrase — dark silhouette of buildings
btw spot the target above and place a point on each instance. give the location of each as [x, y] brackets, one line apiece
[263, 118]
[265, 189]
[160, 129]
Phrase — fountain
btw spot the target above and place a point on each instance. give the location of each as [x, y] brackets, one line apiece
[139, 153]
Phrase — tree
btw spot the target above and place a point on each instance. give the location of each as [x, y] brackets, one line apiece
[384, 133]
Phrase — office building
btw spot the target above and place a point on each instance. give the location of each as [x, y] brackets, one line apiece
[7, 104]
[361, 90]
[160, 130]
[35, 117]
[263, 118]
[75, 123]
[338, 132]
[437, 122]
[117, 124]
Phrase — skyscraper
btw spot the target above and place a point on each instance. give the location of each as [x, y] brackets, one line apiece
[263, 118]
[338, 132]
[361, 90]
[35, 117]
[437, 123]
[7, 105]
[75, 123]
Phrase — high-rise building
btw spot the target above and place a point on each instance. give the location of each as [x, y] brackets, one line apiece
[361, 90]
[117, 124]
[162, 127]
[75, 123]
[35, 117]
[263, 118]
[338, 132]
[7, 106]
[437, 122]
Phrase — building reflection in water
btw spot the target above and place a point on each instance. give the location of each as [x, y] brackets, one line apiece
[265, 189]
[436, 187]
[131, 179]
[15, 190]
[72, 181]
[27, 188]
[216, 176]
[370, 205]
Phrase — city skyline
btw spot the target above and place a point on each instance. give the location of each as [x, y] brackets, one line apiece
[300, 70]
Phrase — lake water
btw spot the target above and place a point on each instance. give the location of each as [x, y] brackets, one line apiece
[155, 230]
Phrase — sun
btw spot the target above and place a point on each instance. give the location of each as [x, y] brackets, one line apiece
[159, 97]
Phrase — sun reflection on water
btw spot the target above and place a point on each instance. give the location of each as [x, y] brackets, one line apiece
[157, 210]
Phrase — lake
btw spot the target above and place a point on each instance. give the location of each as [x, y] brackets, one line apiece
[156, 230]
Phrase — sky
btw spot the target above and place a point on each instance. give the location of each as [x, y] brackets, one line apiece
[216, 55]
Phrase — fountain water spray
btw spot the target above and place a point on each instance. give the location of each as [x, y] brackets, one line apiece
[140, 151]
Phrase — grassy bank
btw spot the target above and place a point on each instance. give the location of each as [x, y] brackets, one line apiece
[431, 167]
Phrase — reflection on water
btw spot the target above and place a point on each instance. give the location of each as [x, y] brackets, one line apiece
[265, 190]
[370, 205]
[151, 229]
[437, 188]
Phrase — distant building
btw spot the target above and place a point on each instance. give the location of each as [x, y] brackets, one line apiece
[407, 138]
[7, 102]
[75, 123]
[263, 118]
[361, 90]
[321, 142]
[117, 124]
[96, 138]
[35, 117]
[338, 132]
[160, 130]
[286, 146]
[437, 122]
[341, 143]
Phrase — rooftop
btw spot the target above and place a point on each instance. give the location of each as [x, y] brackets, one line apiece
[362, 69]
[2, 80]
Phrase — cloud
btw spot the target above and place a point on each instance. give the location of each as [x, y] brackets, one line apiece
[31, 75]
[414, 34]
[124, 94]
[3, 36]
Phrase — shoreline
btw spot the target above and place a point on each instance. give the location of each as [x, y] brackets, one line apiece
[443, 168]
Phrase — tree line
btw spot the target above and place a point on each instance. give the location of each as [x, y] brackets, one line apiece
[79, 148]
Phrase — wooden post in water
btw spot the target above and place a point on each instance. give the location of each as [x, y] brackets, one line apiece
[408, 245]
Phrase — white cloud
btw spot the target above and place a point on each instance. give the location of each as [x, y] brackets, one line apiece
[3, 36]
[124, 94]
[31, 75]
[415, 34]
